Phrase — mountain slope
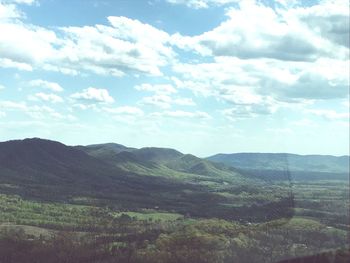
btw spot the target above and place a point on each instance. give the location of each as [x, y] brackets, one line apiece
[48, 170]
[106, 151]
[158, 155]
[35, 159]
[163, 162]
[191, 164]
[145, 161]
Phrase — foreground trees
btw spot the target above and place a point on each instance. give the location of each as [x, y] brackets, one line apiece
[180, 241]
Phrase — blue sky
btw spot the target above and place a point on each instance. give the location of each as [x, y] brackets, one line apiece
[201, 76]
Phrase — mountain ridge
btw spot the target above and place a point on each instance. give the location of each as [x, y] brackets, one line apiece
[51, 171]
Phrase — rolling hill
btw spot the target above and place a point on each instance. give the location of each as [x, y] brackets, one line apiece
[45, 169]
[169, 163]
[123, 177]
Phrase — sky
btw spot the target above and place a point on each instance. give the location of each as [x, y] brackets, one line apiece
[200, 76]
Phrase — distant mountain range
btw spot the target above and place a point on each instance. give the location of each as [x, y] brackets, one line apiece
[122, 177]
[154, 178]
[284, 161]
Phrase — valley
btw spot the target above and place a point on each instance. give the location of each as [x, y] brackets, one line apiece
[111, 203]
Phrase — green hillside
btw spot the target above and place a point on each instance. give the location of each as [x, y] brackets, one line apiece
[133, 179]
[162, 162]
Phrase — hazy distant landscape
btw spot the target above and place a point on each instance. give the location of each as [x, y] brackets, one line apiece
[111, 203]
[174, 131]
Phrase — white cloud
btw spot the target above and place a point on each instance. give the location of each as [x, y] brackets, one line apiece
[158, 100]
[199, 4]
[256, 61]
[8, 11]
[38, 45]
[164, 101]
[8, 63]
[309, 86]
[244, 82]
[196, 85]
[239, 95]
[316, 81]
[34, 111]
[204, 78]
[45, 112]
[182, 114]
[287, 3]
[53, 98]
[125, 46]
[84, 106]
[237, 112]
[184, 102]
[55, 87]
[26, 2]
[93, 95]
[157, 88]
[232, 81]
[11, 105]
[161, 97]
[2, 87]
[136, 31]
[257, 31]
[329, 18]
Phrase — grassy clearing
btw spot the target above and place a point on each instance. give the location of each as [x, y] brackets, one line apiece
[151, 215]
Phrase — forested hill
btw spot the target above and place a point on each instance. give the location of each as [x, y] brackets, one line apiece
[123, 177]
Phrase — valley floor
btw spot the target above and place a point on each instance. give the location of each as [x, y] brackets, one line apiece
[34, 231]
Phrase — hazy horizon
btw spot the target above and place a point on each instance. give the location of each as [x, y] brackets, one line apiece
[174, 148]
